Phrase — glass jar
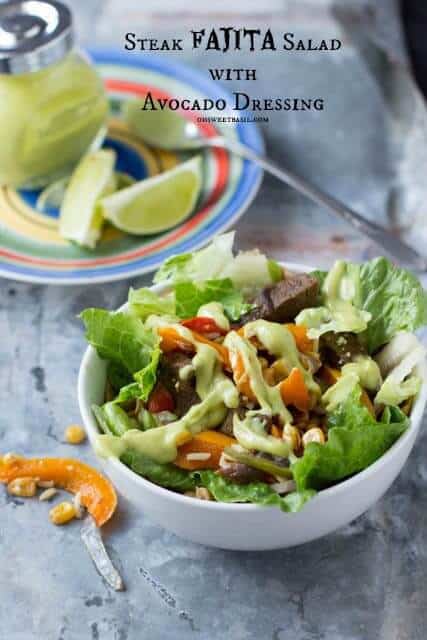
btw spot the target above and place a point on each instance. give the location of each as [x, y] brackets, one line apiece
[53, 106]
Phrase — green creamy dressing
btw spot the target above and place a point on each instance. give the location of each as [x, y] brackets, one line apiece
[217, 393]
[364, 371]
[341, 295]
[51, 117]
[339, 392]
[215, 310]
[280, 342]
[251, 434]
[159, 443]
[269, 398]
[343, 283]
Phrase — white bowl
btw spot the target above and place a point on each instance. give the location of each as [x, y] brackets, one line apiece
[245, 526]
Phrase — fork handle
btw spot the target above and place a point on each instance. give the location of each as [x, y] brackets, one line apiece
[397, 249]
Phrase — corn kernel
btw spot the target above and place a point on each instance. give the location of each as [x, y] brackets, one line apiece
[22, 487]
[62, 513]
[202, 493]
[292, 436]
[74, 434]
[269, 376]
[313, 435]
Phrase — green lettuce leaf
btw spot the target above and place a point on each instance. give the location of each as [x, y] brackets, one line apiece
[275, 270]
[355, 441]
[131, 349]
[146, 377]
[120, 338]
[144, 302]
[257, 492]
[174, 269]
[186, 299]
[165, 475]
[190, 296]
[117, 375]
[395, 299]
[248, 270]
[205, 264]
[392, 296]
[131, 391]
[320, 276]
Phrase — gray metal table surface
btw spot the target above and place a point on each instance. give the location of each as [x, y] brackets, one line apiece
[364, 582]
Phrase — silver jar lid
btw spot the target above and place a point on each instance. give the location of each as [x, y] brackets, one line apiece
[33, 34]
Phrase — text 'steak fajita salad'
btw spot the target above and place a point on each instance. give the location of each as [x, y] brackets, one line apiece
[244, 382]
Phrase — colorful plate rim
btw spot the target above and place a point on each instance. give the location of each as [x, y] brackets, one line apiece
[244, 193]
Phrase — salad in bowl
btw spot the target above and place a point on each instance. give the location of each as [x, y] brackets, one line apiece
[237, 380]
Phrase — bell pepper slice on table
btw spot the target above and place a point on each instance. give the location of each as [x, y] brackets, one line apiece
[96, 493]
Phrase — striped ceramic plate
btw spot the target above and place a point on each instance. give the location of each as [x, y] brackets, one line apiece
[31, 248]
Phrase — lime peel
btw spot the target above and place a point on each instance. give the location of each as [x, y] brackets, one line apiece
[80, 217]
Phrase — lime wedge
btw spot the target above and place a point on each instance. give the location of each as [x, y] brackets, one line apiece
[157, 203]
[80, 219]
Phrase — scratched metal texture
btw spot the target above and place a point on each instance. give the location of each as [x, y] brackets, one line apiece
[364, 582]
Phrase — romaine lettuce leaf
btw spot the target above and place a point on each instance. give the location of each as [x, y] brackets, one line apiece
[165, 475]
[117, 375]
[131, 391]
[392, 296]
[248, 270]
[275, 270]
[123, 340]
[190, 296]
[205, 264]
[119, 337]
[355, 441]
[186, 299]
[320, 277]
[146, 377]
[395, 299]
[257, 492]
[143, 302]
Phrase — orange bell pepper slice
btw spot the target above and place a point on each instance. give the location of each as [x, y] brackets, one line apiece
[96, 493]
[329, 375]
[212, 442]
[171, 340]
[240, 376]
[303, 342]
[294, 390]
[219, 348]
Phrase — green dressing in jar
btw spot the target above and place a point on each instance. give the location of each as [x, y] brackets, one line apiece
[53, 106]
